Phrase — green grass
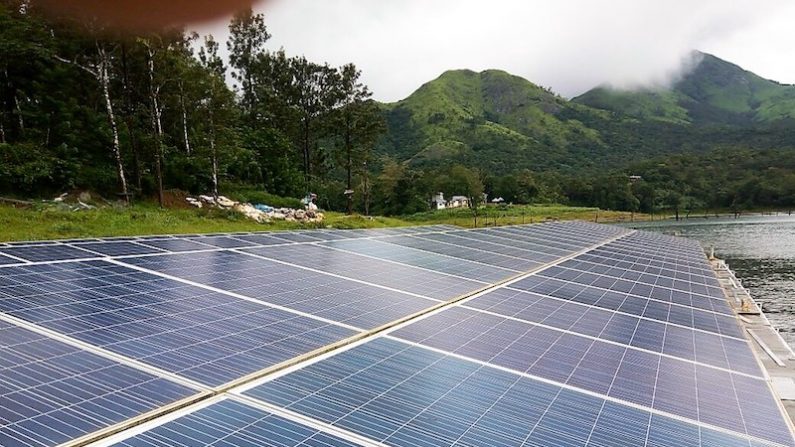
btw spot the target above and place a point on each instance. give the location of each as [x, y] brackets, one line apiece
[514, 215]
[46, 222]
[42, 223]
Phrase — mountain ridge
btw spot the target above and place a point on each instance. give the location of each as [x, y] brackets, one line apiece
[501, 122]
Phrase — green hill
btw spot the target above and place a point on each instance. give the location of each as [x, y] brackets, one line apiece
[502, 123]
[492, 119]
[714, 92]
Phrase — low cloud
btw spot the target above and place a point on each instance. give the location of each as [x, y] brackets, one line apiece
[570, 46]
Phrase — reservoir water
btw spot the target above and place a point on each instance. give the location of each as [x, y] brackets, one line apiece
[760, 250]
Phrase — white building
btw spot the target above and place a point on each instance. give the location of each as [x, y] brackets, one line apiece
[458, 202]
[438, 202]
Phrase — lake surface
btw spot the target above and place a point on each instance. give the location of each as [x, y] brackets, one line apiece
[760, 250]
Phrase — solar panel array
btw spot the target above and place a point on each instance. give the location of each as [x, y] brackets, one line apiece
[570, 334]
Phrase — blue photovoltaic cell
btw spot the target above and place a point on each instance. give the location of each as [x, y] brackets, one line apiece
[5, 260]
[176, 245]
[223, 241]
[405, 278]
[263, 239]
[403, 395]
[644, 333]
[319, 294]
[675, 386]
[229, 423]
[657, 309]
[206, 336]
[424, 259]
[495, 259]
[637, 288]
[503, 249]
[295, 237]
[51, 392]
[39, 253]
[118, 248]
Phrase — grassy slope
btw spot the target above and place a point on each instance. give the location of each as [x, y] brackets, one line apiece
[23, 224]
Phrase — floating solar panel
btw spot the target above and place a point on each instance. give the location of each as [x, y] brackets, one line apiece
[118, 248]
[223, 241]
[401, 277]
[483, 257]
[331, 297]
[52, 392]
[640, 332]
[5, 260]
[230, 423]
[202, 335]
[424, 259]
[263, 239]
[658, 308]
[400, 394]
[629, 343]
[694, 391]
[44, 253]
[176, 245]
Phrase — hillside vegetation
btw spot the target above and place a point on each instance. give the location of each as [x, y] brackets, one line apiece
[714, 92]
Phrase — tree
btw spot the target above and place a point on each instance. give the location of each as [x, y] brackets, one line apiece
[99, 64]
[313, 94]
[358, 123]
[216, 101]
[247, 37]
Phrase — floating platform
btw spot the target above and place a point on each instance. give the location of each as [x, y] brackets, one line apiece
[773, 352]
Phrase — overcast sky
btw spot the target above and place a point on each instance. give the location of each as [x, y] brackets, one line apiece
[569, 45]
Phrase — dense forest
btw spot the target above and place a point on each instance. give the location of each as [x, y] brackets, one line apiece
[134, 117]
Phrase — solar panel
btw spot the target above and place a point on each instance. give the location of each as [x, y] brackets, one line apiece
[401, 394]
[5, 260]
[203, 335]
[223, 241]
[629, 343]
[424, 259]
[659, 309]
[335, 298]
[118, 248]
[401, 277]
[634, 375]
[230, 423]
[489, 258]
[176, 245]
[641, 332]
[52, 392]
[40, 253]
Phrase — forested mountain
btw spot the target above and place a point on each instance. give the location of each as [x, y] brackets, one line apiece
[713, 92]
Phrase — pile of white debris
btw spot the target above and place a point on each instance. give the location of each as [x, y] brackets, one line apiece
[259, 213]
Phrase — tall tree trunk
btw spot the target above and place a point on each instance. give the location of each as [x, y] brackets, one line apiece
[184, 118]
[349, 168]
[104, 81]
[129, 118]
[366, 190]
[213, 153]
[157, 127]
[21, 119]
[306, 156]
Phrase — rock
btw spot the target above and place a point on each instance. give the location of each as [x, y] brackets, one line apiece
[84, 196]
[225, 202]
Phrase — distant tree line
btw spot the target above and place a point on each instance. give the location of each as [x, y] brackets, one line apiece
[84, 106]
